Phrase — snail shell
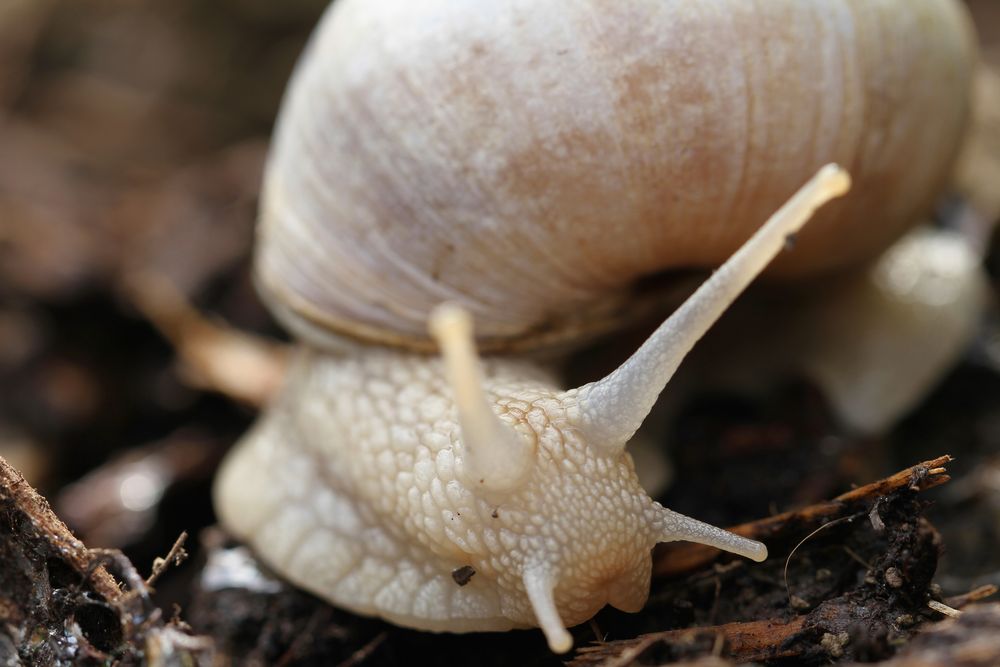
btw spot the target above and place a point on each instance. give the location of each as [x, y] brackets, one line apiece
[530, 161]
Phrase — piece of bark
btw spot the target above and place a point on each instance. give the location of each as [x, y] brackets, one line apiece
[753, 641]
[28, 518]
[59, 604]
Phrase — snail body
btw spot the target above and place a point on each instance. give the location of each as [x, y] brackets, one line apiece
[526, 163]
[383, 531]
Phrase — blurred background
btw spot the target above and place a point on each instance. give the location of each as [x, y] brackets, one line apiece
[132, 138]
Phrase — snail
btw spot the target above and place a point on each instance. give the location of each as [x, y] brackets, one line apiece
[526, 164]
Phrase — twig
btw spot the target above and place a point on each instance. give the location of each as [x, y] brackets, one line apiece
[175, 556]
[217, 357]
[126, 570]
[678, 558]
[359, 656]
[742, 642]
[975, 595]
[942, 608]
[38, 537]
[17, 496]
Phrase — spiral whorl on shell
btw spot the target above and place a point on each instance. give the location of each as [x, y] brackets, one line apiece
[530, 161]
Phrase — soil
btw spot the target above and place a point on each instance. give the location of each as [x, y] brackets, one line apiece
[114, 167]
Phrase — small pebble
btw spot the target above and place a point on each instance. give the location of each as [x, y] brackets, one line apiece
[463, 574]
[893, 578]
[834, 644]
[798, 603]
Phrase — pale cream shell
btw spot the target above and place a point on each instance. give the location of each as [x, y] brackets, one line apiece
[531, 160]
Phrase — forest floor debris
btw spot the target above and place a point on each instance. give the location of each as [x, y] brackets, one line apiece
[61, 604]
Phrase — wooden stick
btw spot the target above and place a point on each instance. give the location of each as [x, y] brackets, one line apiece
[37, 529]
[678, 558]
[752, 641]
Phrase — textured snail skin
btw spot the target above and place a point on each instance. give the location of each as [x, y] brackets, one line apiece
[529, 161]
[366, 506]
